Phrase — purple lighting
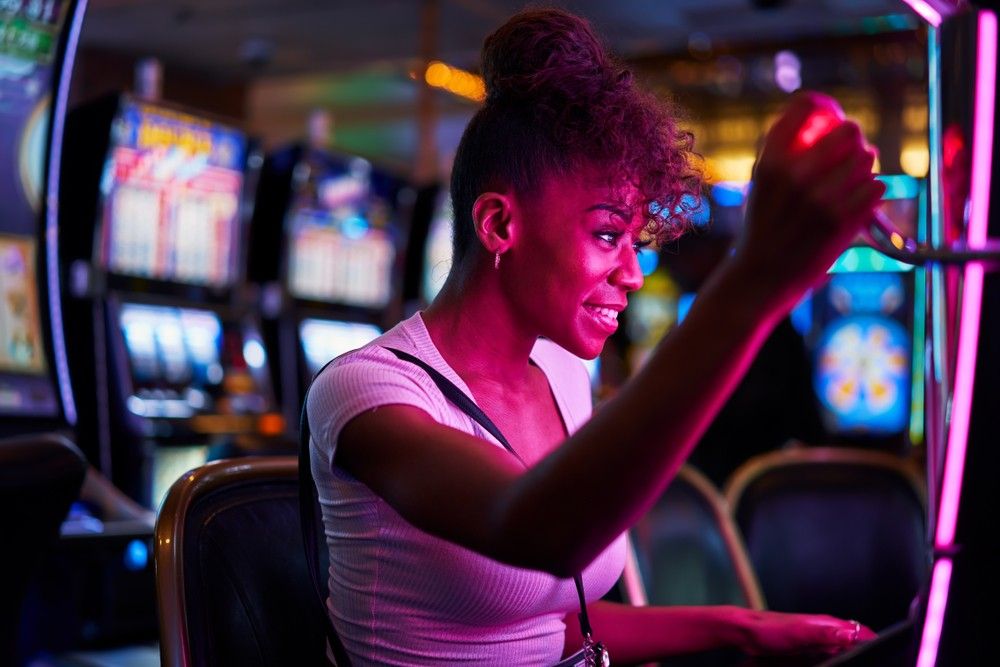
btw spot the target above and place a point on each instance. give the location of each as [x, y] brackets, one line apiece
[972, 291]
[936, 602]
[926, 11]
[973, 284]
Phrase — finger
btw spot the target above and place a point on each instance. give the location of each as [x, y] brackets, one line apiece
[801, 106]
[844, 180]
[861, 203]
[835, 148]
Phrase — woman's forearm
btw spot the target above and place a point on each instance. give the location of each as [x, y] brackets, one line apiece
[612, 470]
[644, 634]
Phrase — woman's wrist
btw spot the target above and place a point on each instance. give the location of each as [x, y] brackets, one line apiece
[737, 628]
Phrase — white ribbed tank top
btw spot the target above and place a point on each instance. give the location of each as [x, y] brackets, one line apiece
[399, 596]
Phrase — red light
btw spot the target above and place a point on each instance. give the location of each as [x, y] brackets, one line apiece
[818, 125]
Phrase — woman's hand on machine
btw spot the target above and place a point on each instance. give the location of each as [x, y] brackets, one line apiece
[813, 191]
[776, 633]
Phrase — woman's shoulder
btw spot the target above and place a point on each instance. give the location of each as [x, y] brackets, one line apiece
[368, 377]
[372, 360]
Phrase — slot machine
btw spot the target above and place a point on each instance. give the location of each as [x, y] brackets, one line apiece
[96, 583]
[329, 234]
[961, 256]
[166, 352]
[866, 335]
[31, 63]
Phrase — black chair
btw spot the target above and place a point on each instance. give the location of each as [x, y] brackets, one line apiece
[232, 583]
[40, 477]
[833, 530]
[687, 550]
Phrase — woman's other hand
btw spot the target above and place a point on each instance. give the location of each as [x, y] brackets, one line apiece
[777, 633]
[808, 201]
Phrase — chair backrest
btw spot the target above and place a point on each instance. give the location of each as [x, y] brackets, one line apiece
[834, 530]
[687, 550]
[40, 477]
[232, 582]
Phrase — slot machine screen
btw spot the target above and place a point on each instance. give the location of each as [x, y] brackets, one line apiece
[169, 464]
[438, 251]
[29, 34]
[322, 340]
[25, 387]
[171, 191]
[174, 356]
[863, 371]
[341, 248]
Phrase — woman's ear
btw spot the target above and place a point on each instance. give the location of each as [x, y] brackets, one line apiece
[493, 214]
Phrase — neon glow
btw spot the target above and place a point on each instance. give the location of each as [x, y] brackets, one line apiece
[59, 107]
[937, 601]
[982, 150]
[972, 292]
[919, 332]
[926, 11]
[816, 127]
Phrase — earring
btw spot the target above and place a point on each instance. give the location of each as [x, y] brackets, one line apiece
[496, 260]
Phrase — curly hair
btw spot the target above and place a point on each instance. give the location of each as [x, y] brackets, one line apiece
[555, 101]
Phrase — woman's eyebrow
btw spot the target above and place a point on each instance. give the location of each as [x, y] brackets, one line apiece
[617, 210]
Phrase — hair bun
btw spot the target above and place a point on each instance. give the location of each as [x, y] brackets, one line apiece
[550, 57]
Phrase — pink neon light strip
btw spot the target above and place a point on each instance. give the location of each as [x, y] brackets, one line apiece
[982, 149]
[972, 292]
[936, 603]
[927, 12]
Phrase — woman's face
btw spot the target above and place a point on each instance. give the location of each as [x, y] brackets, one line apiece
[573, 260]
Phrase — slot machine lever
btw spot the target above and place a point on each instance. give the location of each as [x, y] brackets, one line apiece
[883, 235]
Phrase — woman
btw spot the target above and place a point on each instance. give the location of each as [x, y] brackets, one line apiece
[445, 547]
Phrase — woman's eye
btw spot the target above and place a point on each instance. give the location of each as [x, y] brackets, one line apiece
[639, 246]
[609, 237]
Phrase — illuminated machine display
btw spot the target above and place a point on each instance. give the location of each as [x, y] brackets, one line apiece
[98, 567]
[438, 248]
[153, 228]
[29, 67]
[960, 254]
[327, 239]
[866, 329]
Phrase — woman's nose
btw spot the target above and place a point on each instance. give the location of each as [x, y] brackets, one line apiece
[628, 274]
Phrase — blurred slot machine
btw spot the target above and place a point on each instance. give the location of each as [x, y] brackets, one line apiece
[29, 69]
[96, 583]
[865, 327]
[328, 238]
[153, 231]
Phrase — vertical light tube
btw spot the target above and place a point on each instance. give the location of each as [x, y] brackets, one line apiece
[968, 337]
[59, 107]
[935, 436]
[936, 603]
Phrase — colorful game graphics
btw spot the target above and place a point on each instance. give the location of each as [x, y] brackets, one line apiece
[341, 248]
[172, 187]
[20, 335]
[862, 375]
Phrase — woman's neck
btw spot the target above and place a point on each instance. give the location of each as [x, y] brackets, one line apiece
[478, 333]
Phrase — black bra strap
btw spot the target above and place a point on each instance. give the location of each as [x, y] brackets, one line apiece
[466, 405]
